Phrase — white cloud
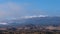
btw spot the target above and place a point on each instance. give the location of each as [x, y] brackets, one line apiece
[3, 23]
[35, 16]
[12, 10]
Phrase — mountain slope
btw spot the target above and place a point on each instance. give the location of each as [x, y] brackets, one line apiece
[55, 21]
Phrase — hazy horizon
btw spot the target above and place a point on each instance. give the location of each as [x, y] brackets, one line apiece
[18, 8]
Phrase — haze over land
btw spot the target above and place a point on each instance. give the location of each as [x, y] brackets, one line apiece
[27, 10]
[10, 9]
[29, 16]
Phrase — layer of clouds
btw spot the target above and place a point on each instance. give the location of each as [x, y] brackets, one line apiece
[34, 16]
[12, 10]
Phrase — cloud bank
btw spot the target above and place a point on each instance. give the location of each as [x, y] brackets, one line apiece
[34, 16]
[12, 10]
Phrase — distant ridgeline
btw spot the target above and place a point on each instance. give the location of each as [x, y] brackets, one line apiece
[39, 21]
[35, 25]
[54, 21]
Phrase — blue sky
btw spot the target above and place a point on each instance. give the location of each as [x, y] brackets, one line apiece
[18, 8]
